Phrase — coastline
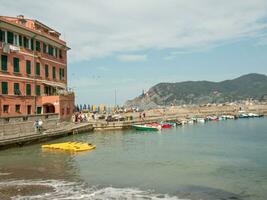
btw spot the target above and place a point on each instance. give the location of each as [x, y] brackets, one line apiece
[173, 113]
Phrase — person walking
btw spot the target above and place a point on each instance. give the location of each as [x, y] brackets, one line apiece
[36, 126]
[40, 125]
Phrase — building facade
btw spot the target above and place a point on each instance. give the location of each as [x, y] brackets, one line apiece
[33, 69]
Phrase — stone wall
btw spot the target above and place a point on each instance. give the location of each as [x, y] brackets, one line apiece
[11, 127]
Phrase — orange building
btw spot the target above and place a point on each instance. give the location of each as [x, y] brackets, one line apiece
[33, 69]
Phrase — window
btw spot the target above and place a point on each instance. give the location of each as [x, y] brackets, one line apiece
[60, 53]
[10, 37]
[28, 90]
[2, 36]
[4, 88]
[44, 48]
[26, 42]
[37, 69]
[5, 108]
[3, 62]
[46, 71]
[56, 52]
[46, 90]
[29, 109]
[20, 40]
[39, 110]
[54, 72]
[17, 108]
[61, 73]
[16, 40]
[16, 64]
[50, 50]
[28, 66]
[16, 89]
[38, 46]
[32, 44]
[38, 90]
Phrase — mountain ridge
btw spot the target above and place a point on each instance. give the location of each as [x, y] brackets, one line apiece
[251, 85]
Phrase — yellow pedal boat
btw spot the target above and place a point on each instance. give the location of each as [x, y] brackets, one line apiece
[70, 146]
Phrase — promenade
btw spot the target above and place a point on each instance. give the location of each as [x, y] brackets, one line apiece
[22, 133]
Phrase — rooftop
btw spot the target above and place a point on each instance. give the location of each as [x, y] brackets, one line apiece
[34, 26]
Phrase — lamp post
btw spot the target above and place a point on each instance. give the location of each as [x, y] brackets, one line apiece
[115, 98]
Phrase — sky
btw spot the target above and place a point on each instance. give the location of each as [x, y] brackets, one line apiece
[126, 46]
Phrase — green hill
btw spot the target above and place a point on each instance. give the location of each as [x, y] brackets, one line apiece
[203, 92]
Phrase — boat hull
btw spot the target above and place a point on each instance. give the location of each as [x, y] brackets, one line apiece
[144, 128]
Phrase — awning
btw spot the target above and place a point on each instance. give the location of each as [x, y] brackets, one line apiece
[55, 84]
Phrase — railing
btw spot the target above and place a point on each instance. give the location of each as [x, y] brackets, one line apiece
[25, 128]
[27, 118]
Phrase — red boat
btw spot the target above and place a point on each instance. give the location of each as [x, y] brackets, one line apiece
[166, 126]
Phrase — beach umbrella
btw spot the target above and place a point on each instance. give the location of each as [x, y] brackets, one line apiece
[88, 106]
[81, 107]
[77, 108]
[84, 106]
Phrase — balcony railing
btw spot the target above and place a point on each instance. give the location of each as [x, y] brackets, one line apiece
[7, 48]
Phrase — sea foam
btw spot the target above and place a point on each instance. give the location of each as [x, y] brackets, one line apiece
[76, 191]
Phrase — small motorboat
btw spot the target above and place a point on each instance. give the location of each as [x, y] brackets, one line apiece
[166, 126]
[147, 127]
[201, 120]
[172, 124]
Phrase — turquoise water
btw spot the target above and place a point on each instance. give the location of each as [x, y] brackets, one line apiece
[216, 160]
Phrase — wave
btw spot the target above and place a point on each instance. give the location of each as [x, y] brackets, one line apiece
[63, 190]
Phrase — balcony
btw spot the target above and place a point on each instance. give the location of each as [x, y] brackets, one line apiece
[7, 48]
[56, 91]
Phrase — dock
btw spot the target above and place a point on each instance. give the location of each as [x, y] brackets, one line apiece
[62, 130]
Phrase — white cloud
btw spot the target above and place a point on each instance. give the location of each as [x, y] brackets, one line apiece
[98, 28]
[131, 57]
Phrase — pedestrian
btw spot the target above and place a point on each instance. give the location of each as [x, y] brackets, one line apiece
[144, 115]
[140, 116]
[40, 125]
[36, 126]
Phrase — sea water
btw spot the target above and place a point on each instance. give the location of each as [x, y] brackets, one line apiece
[215, 160]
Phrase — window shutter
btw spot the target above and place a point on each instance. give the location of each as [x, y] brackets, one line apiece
[28, 66]
[26, 42]
[46, 71]
[4, 62]
[16, 89]
[16, 64]
[10, 37]
[37, 69]
[20, 40]
[44, 48]
[38, 90]
[32, 44]
[1, 36]
[28, 90]
[4, 88]
[54, 72]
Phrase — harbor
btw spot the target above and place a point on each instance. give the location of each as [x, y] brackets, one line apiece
[22, 133]
[216, 160]
[133, 100]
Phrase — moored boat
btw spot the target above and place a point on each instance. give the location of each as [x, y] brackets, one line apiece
[201, 120]
[70, 146]
[167, 124]
[146, 127]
